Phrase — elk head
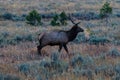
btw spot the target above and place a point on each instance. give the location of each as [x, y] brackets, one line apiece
[76, 25]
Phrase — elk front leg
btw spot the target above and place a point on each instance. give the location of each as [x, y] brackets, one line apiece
[65, 47]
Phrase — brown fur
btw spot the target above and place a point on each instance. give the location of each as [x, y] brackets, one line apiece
[60, 38]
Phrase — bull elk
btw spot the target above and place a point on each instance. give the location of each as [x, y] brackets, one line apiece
[59, 37]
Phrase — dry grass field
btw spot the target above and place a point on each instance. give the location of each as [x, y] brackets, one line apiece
[19, 59]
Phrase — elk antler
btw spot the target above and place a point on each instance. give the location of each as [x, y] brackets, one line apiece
[77, 23]
[73, 21]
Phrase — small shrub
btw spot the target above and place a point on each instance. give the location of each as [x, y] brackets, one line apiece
[106, 10]
[114, 53]
[101, 56]
[83, 72]
[18, 38]
[58, 64]
[55, 56]
[11, 41]
[45, 64]
[63, 18]
[55, 21]
[116, 42]
[28, 37]
[1, 39]
[100, 69]
[88, 62]
[48, 15]
[38, 77]
[1, 77]
[90, 16]
[54, 65]
[80, 63]
[17, 18]
[10, 16]
[25, 68]
[86, 15]
[77, 61]
[107, 70]
[98, 40]
[117, 36]
[118, 14]
[7, 15]
[88, 73]
[116, 77]
[6, 39]
[33, 18]
[5, 34]
[117, 69]
[59, 19]
[9, 77]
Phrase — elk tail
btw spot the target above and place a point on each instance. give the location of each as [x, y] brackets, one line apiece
[40, 37]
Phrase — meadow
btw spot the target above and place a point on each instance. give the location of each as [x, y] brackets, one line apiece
[96, 59]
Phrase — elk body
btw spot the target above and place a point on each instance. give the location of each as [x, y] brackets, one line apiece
[58, 37]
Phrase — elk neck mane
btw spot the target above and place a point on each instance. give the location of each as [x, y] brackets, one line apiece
[72, 33]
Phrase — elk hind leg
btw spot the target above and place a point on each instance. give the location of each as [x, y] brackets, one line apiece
[60, 47]
[39, 49]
